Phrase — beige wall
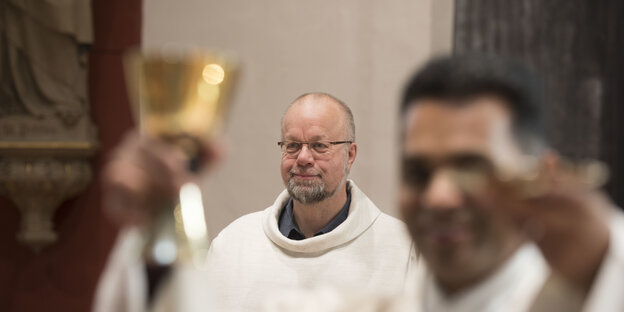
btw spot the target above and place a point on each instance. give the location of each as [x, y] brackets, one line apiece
[359, 50]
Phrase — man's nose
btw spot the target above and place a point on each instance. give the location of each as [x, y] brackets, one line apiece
[442, 192]
[305, 157]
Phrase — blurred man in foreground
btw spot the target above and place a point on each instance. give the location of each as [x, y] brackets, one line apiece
[492, 210]
[321, 230]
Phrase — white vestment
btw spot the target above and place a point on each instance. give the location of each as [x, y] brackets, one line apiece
[251, 260]
[511, 287]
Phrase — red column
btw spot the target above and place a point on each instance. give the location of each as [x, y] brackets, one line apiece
[63, 276]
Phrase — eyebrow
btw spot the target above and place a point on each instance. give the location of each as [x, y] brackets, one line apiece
[416, 161]
[313, 139]
[455, 159]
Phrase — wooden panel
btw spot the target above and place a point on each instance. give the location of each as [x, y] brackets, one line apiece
[575, 46]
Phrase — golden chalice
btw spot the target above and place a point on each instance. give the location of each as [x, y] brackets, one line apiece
[182, 98]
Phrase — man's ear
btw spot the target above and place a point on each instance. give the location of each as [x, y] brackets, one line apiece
[352, 153]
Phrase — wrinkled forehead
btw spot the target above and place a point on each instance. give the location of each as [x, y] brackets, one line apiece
[438, 129]
[315, 120]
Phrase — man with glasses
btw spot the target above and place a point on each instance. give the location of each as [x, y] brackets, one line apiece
[321, 230]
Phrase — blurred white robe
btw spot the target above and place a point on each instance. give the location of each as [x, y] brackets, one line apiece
[123, 283]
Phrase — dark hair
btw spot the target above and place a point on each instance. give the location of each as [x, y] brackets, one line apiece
[461, 76]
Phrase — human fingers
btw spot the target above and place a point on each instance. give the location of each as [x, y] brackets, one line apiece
[140, 173]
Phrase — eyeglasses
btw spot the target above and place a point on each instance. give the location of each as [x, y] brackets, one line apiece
[292, 148]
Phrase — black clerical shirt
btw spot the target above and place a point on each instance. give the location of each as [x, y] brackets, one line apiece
[289, 228]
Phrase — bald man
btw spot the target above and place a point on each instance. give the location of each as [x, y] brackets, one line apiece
[321, 230]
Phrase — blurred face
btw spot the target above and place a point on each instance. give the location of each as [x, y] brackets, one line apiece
[311, 177]
[449, 154]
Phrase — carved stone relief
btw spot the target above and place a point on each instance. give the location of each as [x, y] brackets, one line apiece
[46, 134]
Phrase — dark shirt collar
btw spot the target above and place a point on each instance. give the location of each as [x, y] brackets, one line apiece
[289, 228]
